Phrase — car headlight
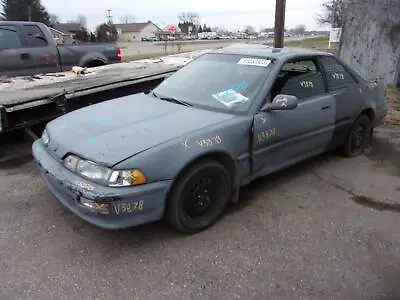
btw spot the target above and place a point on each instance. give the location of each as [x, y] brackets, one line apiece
[104, 175]
[45, 137]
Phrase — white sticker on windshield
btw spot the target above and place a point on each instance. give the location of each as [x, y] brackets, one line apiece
[259, 62]
[230, 97]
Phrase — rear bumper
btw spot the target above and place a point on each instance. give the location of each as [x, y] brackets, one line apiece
[121, 207]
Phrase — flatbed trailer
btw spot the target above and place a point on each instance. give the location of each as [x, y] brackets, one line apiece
[27, 101]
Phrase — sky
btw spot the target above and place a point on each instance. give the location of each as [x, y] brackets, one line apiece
[228, 14]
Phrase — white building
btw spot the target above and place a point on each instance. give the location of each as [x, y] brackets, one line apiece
[136, 31]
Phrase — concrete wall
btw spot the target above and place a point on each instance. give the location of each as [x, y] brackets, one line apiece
[371, 38]
[149, 29]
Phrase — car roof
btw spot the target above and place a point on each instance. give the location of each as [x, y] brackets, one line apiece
[269, 52]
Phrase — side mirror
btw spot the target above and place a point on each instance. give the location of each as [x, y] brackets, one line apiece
[281, 102]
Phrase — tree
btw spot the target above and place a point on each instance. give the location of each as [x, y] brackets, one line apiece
[299, 29]
[268, 29]
[127, 19]
[333, 14]
[249, 29]
[106, 33]
[81, 19]
[92, 37]
[25, 10]
[190, 17]
[54, 19]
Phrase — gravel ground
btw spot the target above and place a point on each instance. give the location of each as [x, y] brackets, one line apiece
[325, 229]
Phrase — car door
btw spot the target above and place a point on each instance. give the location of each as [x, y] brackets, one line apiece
[282, 138]
[12, 59]
[346, 92]
[43, 55]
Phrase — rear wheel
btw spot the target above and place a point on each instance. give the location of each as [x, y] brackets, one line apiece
[199, 197]
[94, 63]
[358, 138]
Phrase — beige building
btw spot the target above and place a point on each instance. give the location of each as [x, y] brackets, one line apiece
[136, 31]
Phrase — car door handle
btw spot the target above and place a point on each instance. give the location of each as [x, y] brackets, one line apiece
[326, 107]
[25, 56]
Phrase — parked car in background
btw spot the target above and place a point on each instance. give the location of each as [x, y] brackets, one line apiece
[150, 38]
[183, 150]
[28, 48]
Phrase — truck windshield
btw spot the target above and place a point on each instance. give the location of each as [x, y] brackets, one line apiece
[224, 82]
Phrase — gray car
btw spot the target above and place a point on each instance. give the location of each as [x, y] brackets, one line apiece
[183, 150]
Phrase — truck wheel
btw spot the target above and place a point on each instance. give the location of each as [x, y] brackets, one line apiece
[94, 63]
[358, 138]
[199, 197]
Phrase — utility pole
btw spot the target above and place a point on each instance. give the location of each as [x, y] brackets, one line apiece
[109, 16]
[279, 23]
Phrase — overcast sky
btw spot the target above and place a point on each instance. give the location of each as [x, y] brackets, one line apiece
[231, 14]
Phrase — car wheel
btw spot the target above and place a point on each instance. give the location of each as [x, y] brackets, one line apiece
[199, 197]
[358, 138]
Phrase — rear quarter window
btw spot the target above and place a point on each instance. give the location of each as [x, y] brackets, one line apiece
[9, 38]
[337, 76]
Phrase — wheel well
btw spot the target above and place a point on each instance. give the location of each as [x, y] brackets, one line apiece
[94, 63]
[220, 157]
[370, 113]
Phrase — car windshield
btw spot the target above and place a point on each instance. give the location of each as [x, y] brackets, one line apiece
[222, 82]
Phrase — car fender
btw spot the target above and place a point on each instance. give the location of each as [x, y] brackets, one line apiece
[167, 160]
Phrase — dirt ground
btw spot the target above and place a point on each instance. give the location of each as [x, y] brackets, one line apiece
[393, 116]
[324, 229]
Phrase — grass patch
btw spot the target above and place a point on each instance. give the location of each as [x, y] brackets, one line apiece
[316, 42]
[393, 116]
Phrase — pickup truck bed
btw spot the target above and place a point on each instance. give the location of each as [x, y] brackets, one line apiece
[26, 101]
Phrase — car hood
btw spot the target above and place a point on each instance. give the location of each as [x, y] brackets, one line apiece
[112, 131]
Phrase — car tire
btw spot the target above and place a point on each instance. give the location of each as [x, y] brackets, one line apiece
[199, 197]
[358, 138]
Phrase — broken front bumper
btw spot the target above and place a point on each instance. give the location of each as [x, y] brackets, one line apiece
[105, 207]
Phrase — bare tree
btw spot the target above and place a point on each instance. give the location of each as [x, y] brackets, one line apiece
[127, 19]
[268, 29]
[81, 19]
[249, 29]
[189, 17]
[54, 19]
[299, 29]
[333, 14]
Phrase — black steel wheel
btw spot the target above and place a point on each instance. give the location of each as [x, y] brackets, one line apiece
[199, 197]
[358, 138]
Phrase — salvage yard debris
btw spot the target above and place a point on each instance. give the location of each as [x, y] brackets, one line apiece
[393, 116]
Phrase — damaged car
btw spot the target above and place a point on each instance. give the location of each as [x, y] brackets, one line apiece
[183, 150]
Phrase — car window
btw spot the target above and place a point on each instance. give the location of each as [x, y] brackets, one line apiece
[9, 38]
[36, 38]
[337, 76]
[226, 82]
[301, 78]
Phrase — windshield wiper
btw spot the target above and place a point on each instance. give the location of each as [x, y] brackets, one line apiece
[171, 99]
